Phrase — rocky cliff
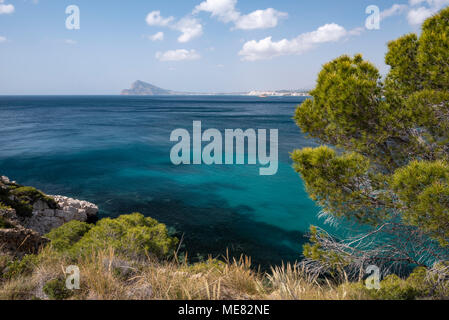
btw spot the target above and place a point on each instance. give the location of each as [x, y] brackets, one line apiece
[26, 214]
[44, 218]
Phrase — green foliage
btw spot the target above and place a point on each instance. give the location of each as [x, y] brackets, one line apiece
[313, 250]
[336, 115]
[416, 286]
[21, 199]
[433, 51]
[20, 267]
[64, 237]
[401, 57]
[395, 288]
[391, 138]
[56, 290]
[5, 260]
[423, 188]
[4, 206]
[207, 266]
[426, 109]
[336, 182]
[132, 235]
[32, 195]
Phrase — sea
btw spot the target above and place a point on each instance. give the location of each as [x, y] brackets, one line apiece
[114, 151]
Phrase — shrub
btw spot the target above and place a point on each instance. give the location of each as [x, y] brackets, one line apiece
[394, 288]
[31, 195]
[64, 237]
[56, 289]
[132, 235]
[16, 268]
[4, 206]
[208, 266]
[5, 260]
[24, 198]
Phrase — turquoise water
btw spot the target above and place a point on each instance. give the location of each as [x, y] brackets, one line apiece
[115, 151]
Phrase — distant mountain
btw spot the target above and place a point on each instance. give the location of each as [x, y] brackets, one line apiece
[140, 88]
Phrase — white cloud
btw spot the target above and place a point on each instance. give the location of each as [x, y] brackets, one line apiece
[2, 39]
[416, 2]
[417, 16]
[6, 8]
[433, 3]
[260, 19]
[417, 10]
[266, 49]
[356, 31]
[190, 28]
[226, 12]
[70, 41]
[395, 9]
[154, 18]
[178, 55]
[157, 37]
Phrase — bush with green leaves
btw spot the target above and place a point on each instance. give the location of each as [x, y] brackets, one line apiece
[416, 286]
[4, 206]
[133, 235]
[384, 162]
[395, 288]
[21, 198]
[64, 237]
[56, 289]
[20, 267]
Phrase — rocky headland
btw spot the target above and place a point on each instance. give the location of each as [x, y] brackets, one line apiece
[27, 214]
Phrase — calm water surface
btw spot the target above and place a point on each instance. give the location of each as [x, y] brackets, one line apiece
[115, 151]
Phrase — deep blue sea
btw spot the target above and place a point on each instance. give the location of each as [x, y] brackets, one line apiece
[115, 151]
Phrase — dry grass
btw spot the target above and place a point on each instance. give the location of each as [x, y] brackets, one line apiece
[108, 276]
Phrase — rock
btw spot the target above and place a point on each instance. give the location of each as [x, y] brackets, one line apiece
[59, 213]
[70, 210]
[10, 215]
[82, 216]
[40, 205]
[49, 213]
[19, 241]
[5, 179]
[69, 216]
[74, 203]
[44, 218]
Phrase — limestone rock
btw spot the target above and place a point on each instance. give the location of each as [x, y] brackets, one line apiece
[18, 241]
[45, 218]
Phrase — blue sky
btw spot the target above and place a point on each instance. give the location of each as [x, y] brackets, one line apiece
[190, 45]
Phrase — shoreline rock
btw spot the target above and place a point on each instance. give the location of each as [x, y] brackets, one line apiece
[18, 241]
[44, 219]
[25, 232]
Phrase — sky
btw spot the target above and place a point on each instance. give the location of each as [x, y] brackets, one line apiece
[191, 45]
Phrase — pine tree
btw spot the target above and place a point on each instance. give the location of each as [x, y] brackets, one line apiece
[384, 162]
